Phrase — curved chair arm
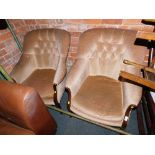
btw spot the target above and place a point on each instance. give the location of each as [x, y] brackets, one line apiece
[23, 68]
[61, 71]
[59, 80]
[77, 76]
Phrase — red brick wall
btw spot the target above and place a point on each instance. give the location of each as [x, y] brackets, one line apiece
[9, 53]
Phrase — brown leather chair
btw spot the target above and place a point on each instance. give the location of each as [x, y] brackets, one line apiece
[22, 111]
[93, 85]
[43, 63]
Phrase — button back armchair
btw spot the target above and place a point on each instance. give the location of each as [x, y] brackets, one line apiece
[43, 63]
[93, 85]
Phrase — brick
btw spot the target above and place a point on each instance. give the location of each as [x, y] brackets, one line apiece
[2, 60]
[58, 21]
[3, 52]
[43, 26]
[42, 21]
[131, 21]
[92, 21]
[73, 21]
[148, 28]
[73, 54]
[72, 28]
[75, 34]
[82, 27]
[30, 21]
[3, 31]
[73, 49]
[83, 21]
[75, 39]
[9, 69]
[111, 21]
[22, 29]
[136, 27]
[91, 26]
[5, 37]
[1, 46]
[74, 43]
[111, 26]
[131, 27]
[123, 27]
[17, 23]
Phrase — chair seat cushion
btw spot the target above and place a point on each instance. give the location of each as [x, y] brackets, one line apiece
[99, 99]
[42, 81]
[8, 128]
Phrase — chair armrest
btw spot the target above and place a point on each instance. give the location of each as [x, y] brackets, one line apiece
[61, 71]
[24, 107]
[25, 66]
[137, 79]
[77, 75]
[60, 79]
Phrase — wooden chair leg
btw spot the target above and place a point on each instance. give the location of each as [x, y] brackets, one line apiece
[151, 109]
[147, 116]
[140, 120]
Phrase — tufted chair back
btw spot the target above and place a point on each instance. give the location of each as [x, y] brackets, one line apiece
[44, 57]
[42, 49]
[46, 45]
[105, 49]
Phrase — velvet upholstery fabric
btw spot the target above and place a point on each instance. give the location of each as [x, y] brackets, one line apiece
[41, 80]
[100, 59]
[22, 111]
[44, 49]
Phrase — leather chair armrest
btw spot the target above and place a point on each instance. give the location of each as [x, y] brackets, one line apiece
[24, 107]
[77, 75]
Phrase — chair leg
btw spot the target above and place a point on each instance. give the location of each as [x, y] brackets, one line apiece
[126, 117]
[140, 120]
[151, 110]
[147, 116]
[55, 96]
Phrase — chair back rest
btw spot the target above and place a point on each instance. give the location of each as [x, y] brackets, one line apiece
[106, 48]
[46, 46]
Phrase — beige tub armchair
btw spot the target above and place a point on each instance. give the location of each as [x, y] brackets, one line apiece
[43, 63]
[93, 85]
